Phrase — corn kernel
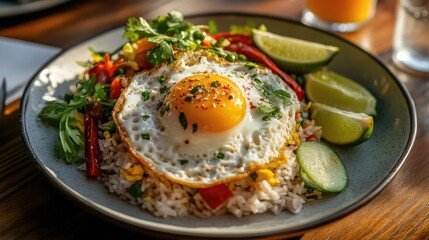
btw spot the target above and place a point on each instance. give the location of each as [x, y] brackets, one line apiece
[129, 52]
[106, 134]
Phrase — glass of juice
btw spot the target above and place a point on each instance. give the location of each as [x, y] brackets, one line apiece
[338, 15]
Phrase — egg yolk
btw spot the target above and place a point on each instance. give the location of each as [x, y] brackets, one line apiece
[208, 102]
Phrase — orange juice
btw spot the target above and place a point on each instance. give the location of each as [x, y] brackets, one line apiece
[342, 11]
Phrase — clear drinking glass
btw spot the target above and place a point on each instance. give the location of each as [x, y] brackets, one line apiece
[338, 15]
[411, 38]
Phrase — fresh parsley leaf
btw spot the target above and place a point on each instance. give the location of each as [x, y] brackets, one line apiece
[183, 161]
[194, 128]
[220, 155]
[160, 53]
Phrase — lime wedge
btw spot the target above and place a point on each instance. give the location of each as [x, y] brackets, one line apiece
[342, 127]
[338, 91]
[294, 55]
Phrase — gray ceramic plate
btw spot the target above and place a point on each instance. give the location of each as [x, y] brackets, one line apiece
[370, 165]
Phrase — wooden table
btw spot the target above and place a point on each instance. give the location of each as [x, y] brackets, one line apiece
[30, 208]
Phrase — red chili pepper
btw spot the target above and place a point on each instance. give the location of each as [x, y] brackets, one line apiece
[92, 150]
[255, 54]
[115, 88]
[95, 109]
[103, 71]
[216, 195]
[233, 38]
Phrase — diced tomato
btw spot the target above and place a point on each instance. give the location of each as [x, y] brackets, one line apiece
[115, 88]
[215, 196]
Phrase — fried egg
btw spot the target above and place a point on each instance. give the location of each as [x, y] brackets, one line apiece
[200, 120]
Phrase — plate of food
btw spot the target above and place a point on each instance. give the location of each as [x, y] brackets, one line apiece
[221, 125]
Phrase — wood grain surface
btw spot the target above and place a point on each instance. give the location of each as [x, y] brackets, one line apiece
[31, 208]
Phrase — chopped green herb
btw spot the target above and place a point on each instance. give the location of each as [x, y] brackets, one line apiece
[183, 121]
[215, 84]
[183, 161]
[188, 99]
[146, 136]
[282, 95]
[274, 114]
[162, 79]
[135, 190]
[145, 117]
[195, 89]
[194, 127]
[145, 95]
[220, 155]
[164, 89]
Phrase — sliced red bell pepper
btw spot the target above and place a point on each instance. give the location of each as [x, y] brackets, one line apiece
[115, 88]
[255, 54]
[215, 196]
[92, 150]
[103, 71]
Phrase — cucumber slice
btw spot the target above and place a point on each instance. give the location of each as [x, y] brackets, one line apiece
[307, 180]
[322, 166]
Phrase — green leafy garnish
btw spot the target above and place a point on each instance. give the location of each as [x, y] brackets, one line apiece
[195, 89]
[183, 161]
[167, 32]
[194, 128]
[63, 115]
[282, 95]
[270, 111]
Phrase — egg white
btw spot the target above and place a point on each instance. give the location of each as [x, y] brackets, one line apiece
[202, 159]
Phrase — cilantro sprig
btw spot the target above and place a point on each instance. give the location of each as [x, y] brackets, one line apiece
[62, 114]
[167, 32]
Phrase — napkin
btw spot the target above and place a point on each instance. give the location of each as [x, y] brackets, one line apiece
[19, 61]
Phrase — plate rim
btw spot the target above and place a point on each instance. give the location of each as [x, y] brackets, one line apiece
[160, 228]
